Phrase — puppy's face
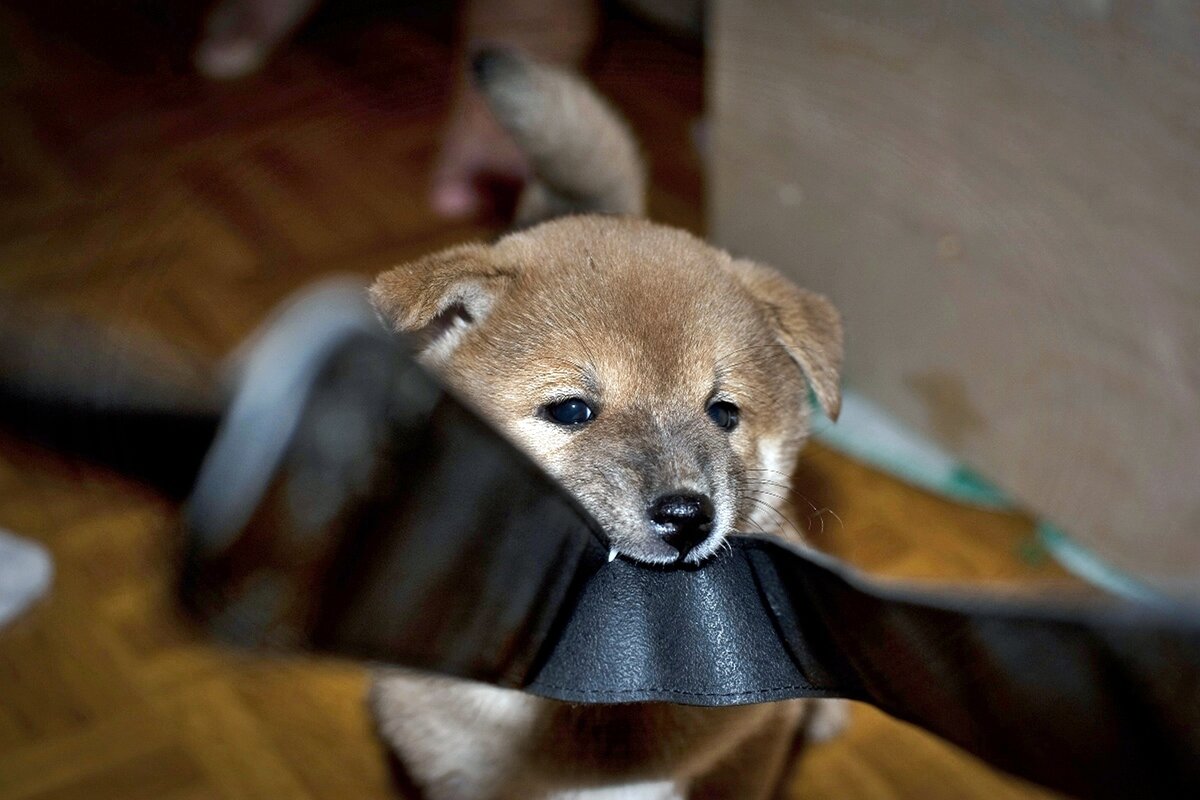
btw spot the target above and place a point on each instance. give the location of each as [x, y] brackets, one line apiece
[663, 383]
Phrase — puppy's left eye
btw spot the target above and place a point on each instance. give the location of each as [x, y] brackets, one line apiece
[724, 414]
[573, 411]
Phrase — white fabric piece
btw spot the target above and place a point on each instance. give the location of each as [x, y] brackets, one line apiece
[26, 571]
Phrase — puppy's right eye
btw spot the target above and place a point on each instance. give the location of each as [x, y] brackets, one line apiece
[724, 414]
[572, 411]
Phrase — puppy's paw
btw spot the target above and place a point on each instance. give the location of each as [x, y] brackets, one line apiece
[826, 719]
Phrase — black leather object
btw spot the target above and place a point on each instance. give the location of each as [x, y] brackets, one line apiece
[418, 536]
[1093, 701]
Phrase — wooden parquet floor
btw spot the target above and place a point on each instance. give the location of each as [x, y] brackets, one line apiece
[142, 195]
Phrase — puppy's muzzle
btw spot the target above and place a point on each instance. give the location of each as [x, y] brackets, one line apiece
[683, 520]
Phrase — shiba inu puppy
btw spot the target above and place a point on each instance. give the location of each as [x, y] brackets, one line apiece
[664, 383]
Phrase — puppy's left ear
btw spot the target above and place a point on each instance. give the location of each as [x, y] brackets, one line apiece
[805, 323]
[441, 296]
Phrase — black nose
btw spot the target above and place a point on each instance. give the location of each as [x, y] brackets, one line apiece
[683, 520]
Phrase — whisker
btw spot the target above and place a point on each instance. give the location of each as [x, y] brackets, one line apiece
[821, 512]
[785, 522]
[834, 514]
[777, 484]
[815, 513]
[757, 484]
[779, 497]
[780, 473]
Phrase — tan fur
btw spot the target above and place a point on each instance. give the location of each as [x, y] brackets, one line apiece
[649, 325]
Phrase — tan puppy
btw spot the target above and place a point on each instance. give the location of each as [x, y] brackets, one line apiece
[660, 380]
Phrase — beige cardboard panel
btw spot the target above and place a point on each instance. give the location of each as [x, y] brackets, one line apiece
[1004, 201]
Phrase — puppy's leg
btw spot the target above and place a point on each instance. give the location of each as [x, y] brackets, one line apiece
[453, 740]
[755, 768]
[651, 790]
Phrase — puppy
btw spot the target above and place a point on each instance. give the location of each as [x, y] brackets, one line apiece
[665, 384]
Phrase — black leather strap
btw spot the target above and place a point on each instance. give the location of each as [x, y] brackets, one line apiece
[388, 522]
[1098, 701]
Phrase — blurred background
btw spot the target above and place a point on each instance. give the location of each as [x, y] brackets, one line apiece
[1001, 197]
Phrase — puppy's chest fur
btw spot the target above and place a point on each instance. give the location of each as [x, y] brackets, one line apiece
[464, 740]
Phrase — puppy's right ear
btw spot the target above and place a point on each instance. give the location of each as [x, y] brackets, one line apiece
[440, 297]
[806, 324]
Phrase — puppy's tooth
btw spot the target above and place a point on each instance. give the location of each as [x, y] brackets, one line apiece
[612, 555]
